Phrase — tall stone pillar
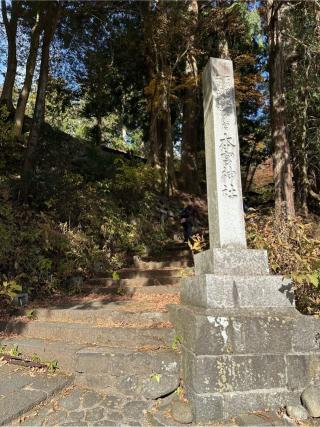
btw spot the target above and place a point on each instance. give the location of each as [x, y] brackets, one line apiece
[226, 221]
[243, 341]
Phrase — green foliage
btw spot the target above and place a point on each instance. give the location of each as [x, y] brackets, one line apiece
[293, 251]
[250, 19]
[14, 351]
[10, 288]
[31, 314]
[177, 340]
[35, 358]
[179, 391]
[311, 278]
[115, 275]
[135, 183]
[52, 365]
[87, 213]
[3, 349]
[121, 290]
[58, 103]
[302, 101]
[155, 377]
[11, 153]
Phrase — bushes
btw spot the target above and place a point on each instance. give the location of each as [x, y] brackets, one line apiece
[293, 251]
[42, 254]
[135, 184]
[74, 224]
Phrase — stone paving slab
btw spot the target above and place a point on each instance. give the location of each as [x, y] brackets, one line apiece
[45, 349]
[271, 418]
[26, 399]
[21, 389]
[77, 406]
[83, 334]
[164, 418]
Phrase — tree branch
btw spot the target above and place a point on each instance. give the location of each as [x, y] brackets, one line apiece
[179, 57]
[4, 14]
[314, 195]
[300, 42]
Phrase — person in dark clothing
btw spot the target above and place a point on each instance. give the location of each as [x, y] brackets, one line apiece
[187, 219]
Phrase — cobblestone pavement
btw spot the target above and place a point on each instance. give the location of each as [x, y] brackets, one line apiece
[33, 398]
[23, 388]
[80, 407]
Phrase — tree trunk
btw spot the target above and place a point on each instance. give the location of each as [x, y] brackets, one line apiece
[250, 169]
[30, 66]
[11, 31]
[160, 146]
[98, 134]
[153, 149]
[160, 150]
[153, 137]
[168, 176]
[153, 83]
[51, 20]
[304, 180]
[223, 46]
[317, 16]
[163, 144]
[189, 145]
[283, 182]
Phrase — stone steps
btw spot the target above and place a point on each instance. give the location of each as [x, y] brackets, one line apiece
[149, 374]
[137, 273]
[76, 333]
[157, 290]
[47, 350]
[113, 285]
[173, 254]
[175, 247]
[154, 265]
[118, 315]
[112, 344]
[23, 389]
[173, 289]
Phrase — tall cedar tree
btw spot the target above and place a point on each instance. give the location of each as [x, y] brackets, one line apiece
[189, 143]
[29, 73]
[11, 31]
[52, 13]
[283, 180]
[160, 75]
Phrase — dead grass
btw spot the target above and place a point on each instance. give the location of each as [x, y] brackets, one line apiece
[65, 300]
[157, 301]
[136, 303]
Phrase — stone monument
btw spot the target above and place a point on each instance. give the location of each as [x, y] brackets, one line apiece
[244, 345]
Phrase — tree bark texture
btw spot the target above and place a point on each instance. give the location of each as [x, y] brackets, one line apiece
[50, 23]
[250, 169]
[303, 155]
[223, 46]
[30, 66]
[189, 144]
[283, 181]
[160, 150]
[11, 31]
[160, 136]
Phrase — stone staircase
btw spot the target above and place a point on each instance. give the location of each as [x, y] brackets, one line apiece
[115, 346]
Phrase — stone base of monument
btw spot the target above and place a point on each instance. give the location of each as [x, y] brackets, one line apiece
[244, 345]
